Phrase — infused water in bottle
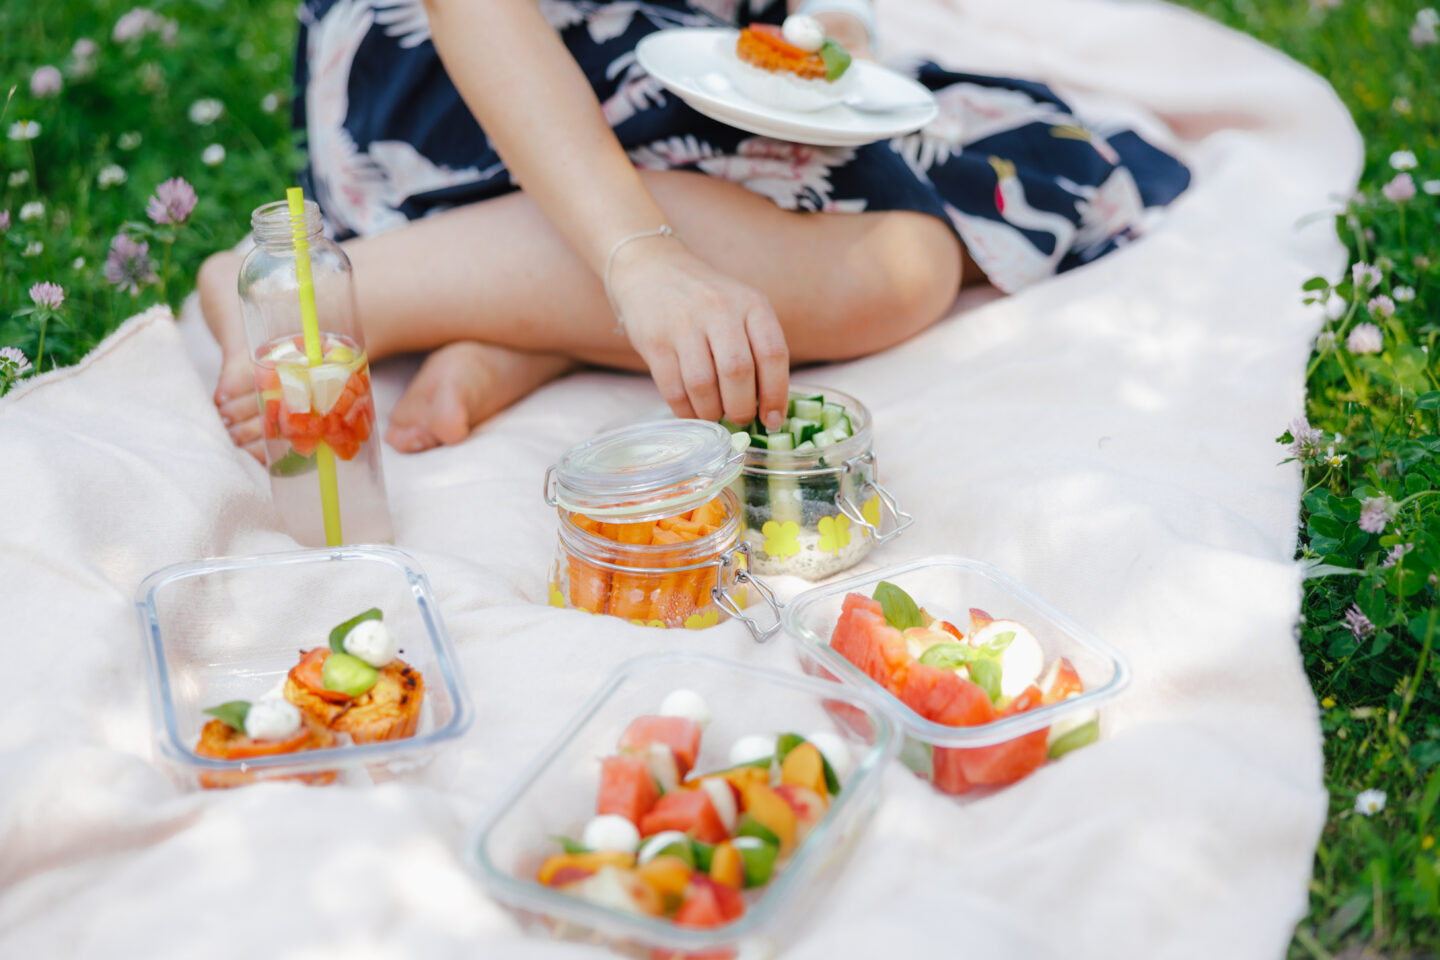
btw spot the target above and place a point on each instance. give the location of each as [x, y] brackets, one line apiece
[312, 412]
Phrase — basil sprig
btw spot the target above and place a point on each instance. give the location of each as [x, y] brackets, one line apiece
[232, 713]
[337, 636]
[901, 611]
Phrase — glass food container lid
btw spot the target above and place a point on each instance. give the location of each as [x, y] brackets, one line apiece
[645, 470]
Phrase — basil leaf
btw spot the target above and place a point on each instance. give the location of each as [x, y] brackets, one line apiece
[901, 612]
[948, 656]
[997, 644]
[292, 465]
[837, 60]
[337, 635]
[570, 846]
[785, 743]
[232, 713]
[987, 674]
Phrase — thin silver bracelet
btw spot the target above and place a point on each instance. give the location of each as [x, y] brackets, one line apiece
[664, 231]
[859, 9]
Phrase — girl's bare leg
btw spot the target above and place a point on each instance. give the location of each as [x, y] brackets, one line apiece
[843, 285]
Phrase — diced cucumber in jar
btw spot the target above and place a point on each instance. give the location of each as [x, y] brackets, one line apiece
[780, 441]
[809, 410]
[805, 447]
[803, 430]
[831, 414]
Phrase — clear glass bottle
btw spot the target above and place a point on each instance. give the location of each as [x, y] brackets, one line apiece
[305, 406]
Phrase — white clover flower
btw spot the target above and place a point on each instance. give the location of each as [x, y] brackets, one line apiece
[1365, 276]
[1325, 341]
[111, 176]
[77, 264]
[46, 81]
[213, 156]
[1376, 514]
[33, 210]
[1404, 294]
[129, 140]
[13, 362]
[205, 112]
[1382, 307]
[33, 249]
[1369, 802]
[1401, 105]
[24, 130]
[1365, 338]
[1403, 160]
[19, 178]
[270, 102]
[1432, 187]
[1428, 17]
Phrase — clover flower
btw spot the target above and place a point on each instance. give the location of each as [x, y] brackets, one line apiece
[77, 264]
[1358, 623]
[1382, 307]
[1324, 341]
[128, 140]
[1423, 33]
[1396, 553]
[111, 176]
[13, 363]
[128, 265]
[1369, 802]
[270, 102]
[213, 156]
[1400, 189]
[1404, 160]
[1401, 105]
[84, 49]
[134, 24]
[1306, 439]
[47, 295]
[172, 202]
[33, 249]
[1404, 294]
[205, 112]
[33, 210]
[1376, 514]
[1335, 306]
[18, 178]
[24, 130]
[1365, 276]
[1365, 338]
[46, 81]
[4, 221]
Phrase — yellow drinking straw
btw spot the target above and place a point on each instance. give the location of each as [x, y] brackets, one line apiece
[324, 456]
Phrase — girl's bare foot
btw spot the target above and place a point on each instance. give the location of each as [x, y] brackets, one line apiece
[462, 384]
[235, 393]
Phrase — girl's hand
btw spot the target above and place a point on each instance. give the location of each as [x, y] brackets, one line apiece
[712, 344]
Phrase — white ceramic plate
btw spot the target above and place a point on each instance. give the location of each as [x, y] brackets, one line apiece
[692, 63]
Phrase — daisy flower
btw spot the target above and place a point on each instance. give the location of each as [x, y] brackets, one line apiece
[213, 156]
[1369, 802]
[24, 130]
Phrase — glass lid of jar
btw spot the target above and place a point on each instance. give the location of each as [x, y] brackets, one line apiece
[645, 470]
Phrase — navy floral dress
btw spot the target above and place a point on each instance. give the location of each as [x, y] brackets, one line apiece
[1029, 189]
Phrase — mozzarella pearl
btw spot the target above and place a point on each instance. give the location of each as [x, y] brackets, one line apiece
[757, 746]
[272, 719]
[687, 704]
[611, 831]
[803, 32]
[371, 641]
[833, 749]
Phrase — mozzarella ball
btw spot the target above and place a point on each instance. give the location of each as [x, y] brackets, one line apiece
[611, 831]
[803, 32]
[371, 641]
[687, 704]
[273, 718]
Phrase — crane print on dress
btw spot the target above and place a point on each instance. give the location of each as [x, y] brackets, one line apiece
[360, 191]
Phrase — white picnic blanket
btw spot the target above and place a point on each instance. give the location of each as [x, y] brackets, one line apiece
[1107, 438]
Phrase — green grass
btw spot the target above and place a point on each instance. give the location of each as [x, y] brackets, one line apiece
[1376, 883]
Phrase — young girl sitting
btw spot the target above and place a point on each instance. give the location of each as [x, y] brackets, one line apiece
[520, 197]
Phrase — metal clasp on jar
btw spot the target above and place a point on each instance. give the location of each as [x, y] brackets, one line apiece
[869, 480]
[741, 575]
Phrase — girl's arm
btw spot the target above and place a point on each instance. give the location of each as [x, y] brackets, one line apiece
[686, 320]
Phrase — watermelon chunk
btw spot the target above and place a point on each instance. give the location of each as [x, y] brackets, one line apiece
[949, 775]
[626, 787]
[689, 811]
[680, 734]
[1012, 760]
[943, 696]
[709, 904]
[863, 637]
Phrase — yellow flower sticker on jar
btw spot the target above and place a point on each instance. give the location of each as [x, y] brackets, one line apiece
[811, 501]
[649, 529]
